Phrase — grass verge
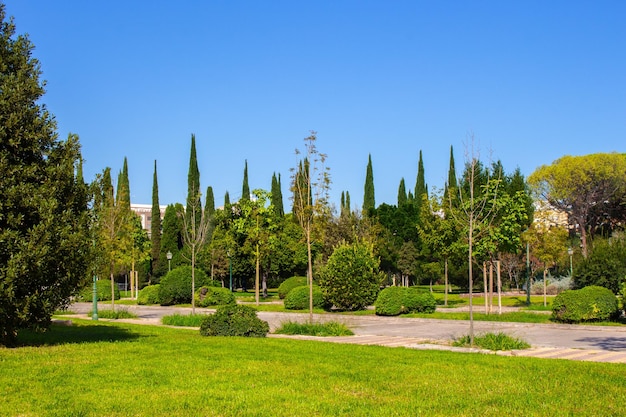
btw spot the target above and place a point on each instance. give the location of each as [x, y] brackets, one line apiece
[119, 313]
[493, 341]
[159, 371]
[184, 320]
[331, 328]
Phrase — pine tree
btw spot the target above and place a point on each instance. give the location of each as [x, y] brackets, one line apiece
[369, 202]
[193, 179]
[245, 188]
[420, 184]
[402, 198]
[155, 226]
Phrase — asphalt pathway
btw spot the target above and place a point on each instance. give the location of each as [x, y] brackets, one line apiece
[557, 341]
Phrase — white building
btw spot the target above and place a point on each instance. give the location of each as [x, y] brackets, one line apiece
[144, 211]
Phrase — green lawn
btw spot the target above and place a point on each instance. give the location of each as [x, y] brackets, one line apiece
[115, 369]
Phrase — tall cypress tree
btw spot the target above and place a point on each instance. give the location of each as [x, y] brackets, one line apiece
[281, 205]
[276, 196]
[420, 184]
[348, 201]
[452, 181]
[369, 202]
[245, 188]
[123, 188]
[402, 198]
[155, 225]
[209, 203]
[226, 200]
[193, 182]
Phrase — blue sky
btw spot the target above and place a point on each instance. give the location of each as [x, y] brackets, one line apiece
[533, 81]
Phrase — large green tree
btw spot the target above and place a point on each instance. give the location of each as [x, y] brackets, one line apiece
[44, 221]
[588, 188]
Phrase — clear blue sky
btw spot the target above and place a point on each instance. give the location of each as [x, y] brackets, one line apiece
[533, 80]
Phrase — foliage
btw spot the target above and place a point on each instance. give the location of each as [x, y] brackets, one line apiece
[175, 287]
[350, 280]
[493, 341]
[554, 286]
[298, 298]
[214, 296]
[149, 295]
[103, 291]
[183, 320]
[234, 320]
[44, 222]
[369, 201]
[605, 266]
[330, 328]
[591, 303]
[120, 313]
[289, 284]
[590, 188]
[393, 301]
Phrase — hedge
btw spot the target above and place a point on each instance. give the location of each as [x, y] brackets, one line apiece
[234, 320]
[149, 295]
[214, 296]
[289, 284]
[298, 298]
[393, 301]
[591, 303]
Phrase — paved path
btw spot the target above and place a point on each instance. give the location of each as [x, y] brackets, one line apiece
[577, 342]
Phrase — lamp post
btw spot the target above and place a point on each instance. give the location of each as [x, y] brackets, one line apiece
[230, 269]
[570, 252]
[168, 255]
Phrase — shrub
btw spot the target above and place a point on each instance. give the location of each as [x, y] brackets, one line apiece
[331, 328]
[555, 286]
[234, 320]
[289, 284]
[350, 280]
[298, 298]
[175, 287]
[103, 291]
[149, 295]
[214, 296]
[493, 341]
[605, 266]
[591, 303]
[393, 301]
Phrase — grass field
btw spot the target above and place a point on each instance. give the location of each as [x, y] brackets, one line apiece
[115, 369]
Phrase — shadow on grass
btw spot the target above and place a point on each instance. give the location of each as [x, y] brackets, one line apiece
[59, 334]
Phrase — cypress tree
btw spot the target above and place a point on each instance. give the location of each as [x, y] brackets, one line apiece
[343, 201]
[369, 202]
[245, 188]
[276, 196]
[193, 182]
[452, 181]
[348, 201]
[226, 200]
[122, 197]
[209, 203]
[280, 196]
[402, 198]
[155, 225]
[420, 184]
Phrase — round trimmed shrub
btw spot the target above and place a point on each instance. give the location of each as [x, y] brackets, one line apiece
[289, 284]
[103, 291]
[214, 296]
[390, 301]
[149, 295]
[234, 320]
[351, 280]
[393, 301]
[298, 298]
[591, 303]
[175, 287]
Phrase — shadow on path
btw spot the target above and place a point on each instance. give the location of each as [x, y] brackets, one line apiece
[606, 343]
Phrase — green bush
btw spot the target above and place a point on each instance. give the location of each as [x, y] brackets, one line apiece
[214, 296]
[289, 284]
[591, 303]
[393, 301]
[298, 298]
[605, 266]
[103, 290]
[234, 320]
[351, 280]
[149, 295]
[175, 287]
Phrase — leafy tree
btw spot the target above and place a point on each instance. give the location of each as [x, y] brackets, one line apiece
[351, 280]
[245, 188]
[44, 222]
[140, 251]
[310, 183]
[155, 227]
[605, 266]
[584, 187]
[172, 238]
[408, 262]
[369, 201]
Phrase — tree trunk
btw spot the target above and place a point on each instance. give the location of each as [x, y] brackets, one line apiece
[499, 287]
[545, 287]
[486, 287]
[445, 273]
[490, 287]
[310, 272]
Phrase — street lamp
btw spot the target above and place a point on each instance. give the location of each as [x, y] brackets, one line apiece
[570, 252]
[230, 268]
[168, 255]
